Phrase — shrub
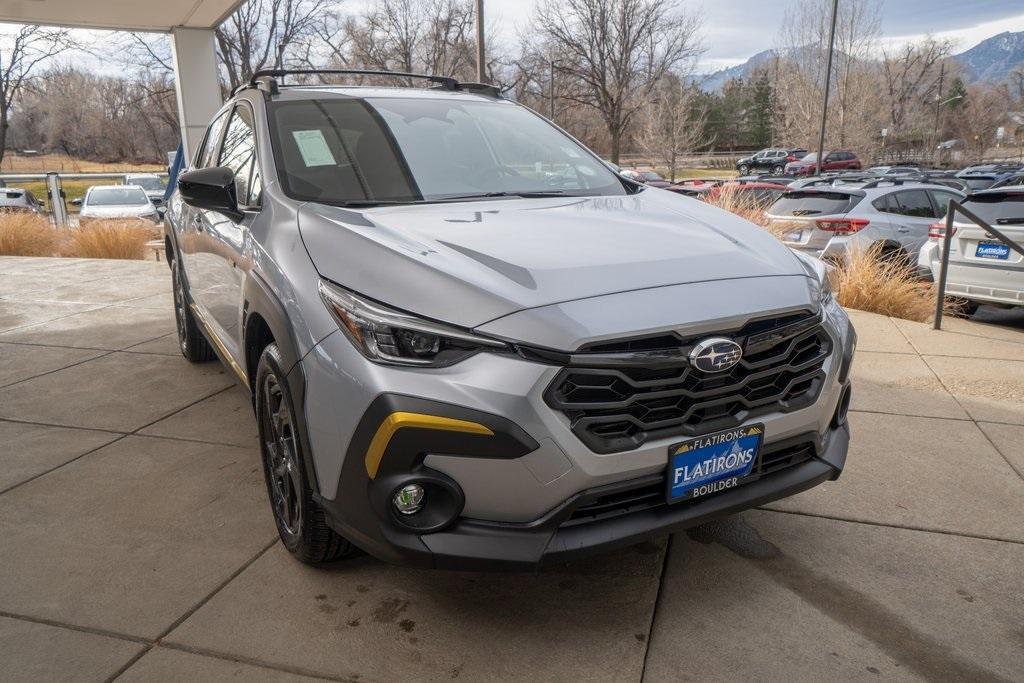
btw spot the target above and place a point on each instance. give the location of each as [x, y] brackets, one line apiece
[26, 234]
[108, 239]
[869, 282]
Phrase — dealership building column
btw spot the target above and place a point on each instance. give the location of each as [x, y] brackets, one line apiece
[197, 83]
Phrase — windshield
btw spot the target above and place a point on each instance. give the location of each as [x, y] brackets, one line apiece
[151, 184]
[117, 196]
[651, 175]
[386, 150]
[813, 156]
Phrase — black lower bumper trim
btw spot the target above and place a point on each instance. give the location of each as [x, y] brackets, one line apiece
[483, 546]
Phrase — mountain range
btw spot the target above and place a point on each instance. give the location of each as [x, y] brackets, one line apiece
[990, 61]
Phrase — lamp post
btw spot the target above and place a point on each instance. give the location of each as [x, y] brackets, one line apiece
[938, 107]
[828, 83]
[481, 67]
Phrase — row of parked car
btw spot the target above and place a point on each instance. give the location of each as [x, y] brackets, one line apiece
[900, 212]
[140, 197]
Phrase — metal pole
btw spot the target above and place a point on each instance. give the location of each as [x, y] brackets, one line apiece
[552, 94]
[828, 83]
[481, 70]
[947, 240]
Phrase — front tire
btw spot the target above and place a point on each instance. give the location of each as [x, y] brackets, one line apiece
[744, 169]
[193, 345]
[300, 521]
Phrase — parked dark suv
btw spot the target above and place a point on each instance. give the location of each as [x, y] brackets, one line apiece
[773, 160]
[840, 160]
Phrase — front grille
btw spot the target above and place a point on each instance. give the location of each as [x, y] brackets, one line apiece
[650, 492]
[617, 397]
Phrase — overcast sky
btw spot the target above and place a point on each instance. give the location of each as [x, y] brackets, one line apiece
[736, 29]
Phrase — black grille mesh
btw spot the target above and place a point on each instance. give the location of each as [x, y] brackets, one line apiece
[619, 407]
[652, 495]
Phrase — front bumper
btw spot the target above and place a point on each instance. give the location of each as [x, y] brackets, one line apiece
[516, 492]
[476, 545]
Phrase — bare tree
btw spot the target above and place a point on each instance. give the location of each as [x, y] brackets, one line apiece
[912, 77]
[268, 34]
[27, 50]
[672, 123]
[425, 36]
[617, 51]
[799, 73]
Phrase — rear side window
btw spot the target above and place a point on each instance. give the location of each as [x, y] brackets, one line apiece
[915, 203]
[813, 203]
[997, 208]
[979, 183]
[942, 200]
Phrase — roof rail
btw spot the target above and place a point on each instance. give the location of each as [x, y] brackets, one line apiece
[267, 79]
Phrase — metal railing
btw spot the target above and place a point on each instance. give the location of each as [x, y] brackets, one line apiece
[956, 207]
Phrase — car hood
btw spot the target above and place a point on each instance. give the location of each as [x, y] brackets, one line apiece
[468, 263]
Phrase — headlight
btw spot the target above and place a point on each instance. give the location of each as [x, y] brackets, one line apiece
[385, 335]
[820, 271]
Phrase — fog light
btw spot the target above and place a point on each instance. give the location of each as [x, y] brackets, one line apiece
[408, 500]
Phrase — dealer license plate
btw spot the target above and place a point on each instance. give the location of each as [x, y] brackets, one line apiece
[993, 250]
[715, 462]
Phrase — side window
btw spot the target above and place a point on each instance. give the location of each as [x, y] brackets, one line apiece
[885, 204]
[942, 200]
[205, 159]
[915, 203]
[239, 151]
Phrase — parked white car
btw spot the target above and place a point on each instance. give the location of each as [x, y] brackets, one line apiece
[116, 201]
[152, 184]
[981, 268]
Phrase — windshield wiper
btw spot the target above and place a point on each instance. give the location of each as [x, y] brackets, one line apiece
[526, 194]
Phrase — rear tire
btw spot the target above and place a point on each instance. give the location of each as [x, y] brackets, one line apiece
[301, 522]
[777, 170]
[193, 345]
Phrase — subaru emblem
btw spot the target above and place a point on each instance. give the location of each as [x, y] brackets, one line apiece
[716, 354]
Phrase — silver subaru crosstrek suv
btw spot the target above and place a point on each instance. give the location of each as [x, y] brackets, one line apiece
[472, 345]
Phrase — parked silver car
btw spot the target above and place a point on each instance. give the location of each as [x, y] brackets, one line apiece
[982, 269]
[471, 344]
[152, 184]
[830, 220]
[16, 199]
[116, 202]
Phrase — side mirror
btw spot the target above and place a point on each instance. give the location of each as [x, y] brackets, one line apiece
[77, 201]
[212, 189]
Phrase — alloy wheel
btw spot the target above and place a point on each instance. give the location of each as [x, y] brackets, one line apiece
[180, 312]
[280, 453]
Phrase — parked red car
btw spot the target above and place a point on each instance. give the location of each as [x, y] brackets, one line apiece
[762, 194]
[840, 160]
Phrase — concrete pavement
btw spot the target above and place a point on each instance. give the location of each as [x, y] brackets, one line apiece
[136, 541]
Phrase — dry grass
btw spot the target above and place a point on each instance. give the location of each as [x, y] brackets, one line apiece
[42, 163]
[26, 234]
[108, 239]
[885, 286]
[741, 203]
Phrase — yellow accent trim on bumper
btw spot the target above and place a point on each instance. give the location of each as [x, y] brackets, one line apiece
[400, 420]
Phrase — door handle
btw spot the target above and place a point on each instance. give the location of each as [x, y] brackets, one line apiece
[197, 222]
